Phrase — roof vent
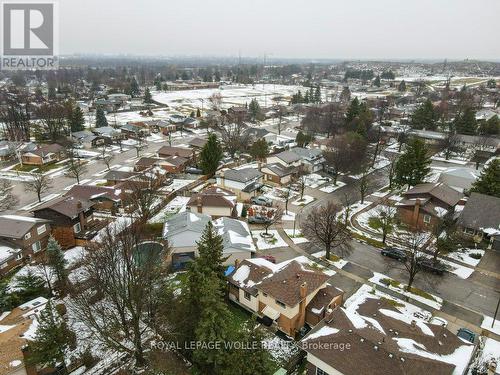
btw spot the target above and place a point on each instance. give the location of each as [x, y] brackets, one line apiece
[362, 339]
[402, 359]
[391, 355]
[396, 333]
[375, 347]
[350, 331]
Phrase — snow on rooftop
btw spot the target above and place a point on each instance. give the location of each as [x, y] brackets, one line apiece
[408, 319]
[241, 274]
[323, 331]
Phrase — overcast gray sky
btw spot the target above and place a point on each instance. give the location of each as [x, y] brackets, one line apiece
[381, 29]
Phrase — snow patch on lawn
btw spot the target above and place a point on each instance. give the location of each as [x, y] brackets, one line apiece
[306, 199]
[486, 324]
[268, 243]
[331, 188]
[298, 238]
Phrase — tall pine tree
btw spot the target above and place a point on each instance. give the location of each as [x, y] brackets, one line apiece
[413, 165]
[489, 181]
[77, 121]
[56, 261]
[211, 155]
[100, 118]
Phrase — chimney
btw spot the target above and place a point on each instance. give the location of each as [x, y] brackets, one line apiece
[79, 205]
[416, 211]
[198, 204]
[236, 263]
[413, 325]
[302, 306]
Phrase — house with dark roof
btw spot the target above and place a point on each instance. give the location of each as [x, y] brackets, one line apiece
[105, 198]
[425, 205]
[167, 151]
[214, 201]
[278, 174]
[244, 181]
[71, 219]
[289, 294]
[310, 159]
[87, 139]
[373, 335]
[481, 217]
[21, 237]
[44, 154]
[184, 230]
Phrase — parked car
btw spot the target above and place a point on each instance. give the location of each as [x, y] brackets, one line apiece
[269, 258]
[438, 321]
[466, 334]
[394, 253]
[430, 266]
[262, 201]
[258, 220]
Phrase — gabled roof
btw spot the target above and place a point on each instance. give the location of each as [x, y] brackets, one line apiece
[438, 190]
[185, 221]
[90, 192]
[481, 212]
[67, 206]
[46, 149]
[197, 142]
[179, 151]
[288, 156]
[15, 226]
[279, 170]
[306, 153]
[213, 197]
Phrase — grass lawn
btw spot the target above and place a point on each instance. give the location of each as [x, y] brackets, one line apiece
[36, 168]
[368, 240]
[24, 168]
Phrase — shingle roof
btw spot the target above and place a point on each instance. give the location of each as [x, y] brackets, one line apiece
[439, 191]
[67, 206]
[288, 156]
[14, 226]
[481, 212]
[179, 151]
[89, 192]
[242, 175]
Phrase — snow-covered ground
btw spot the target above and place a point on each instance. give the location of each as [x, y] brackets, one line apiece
[490, 351]
[288, 216]
[435, 302]
[331, 187]
[177, 184]
[487, 322]
[297, 238]
[306, 199]
[381, 162]
[178, 204]
[277, 193]
[73, 255]
[339, 263]
[268, 243]
[314, 180]
[464, 256]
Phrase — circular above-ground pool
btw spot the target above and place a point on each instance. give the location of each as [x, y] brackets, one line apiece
[148, 250]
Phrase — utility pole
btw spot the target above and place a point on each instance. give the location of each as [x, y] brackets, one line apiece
[496, 310]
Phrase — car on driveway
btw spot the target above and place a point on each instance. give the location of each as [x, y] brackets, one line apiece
[394, 253]
[430, 266]
[467, 335]
[438, 321]
[261, 201]
[258, 220]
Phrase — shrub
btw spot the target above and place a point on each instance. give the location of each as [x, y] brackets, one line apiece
[476, 255]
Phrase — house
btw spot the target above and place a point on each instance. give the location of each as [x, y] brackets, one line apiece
[373, 335]
[146, 163]
[214, 201]
[70, 219]
[197, 143]
[191, 123]
[163, 126]
[166, 151]
[286, 158]
[108, 132]
[184, 230]
[87, 139]
[278, 174]
[105, 198]
[481, 216]
[424, 205]
[114, 177]
[133, 131]
[245, 182]
[311, 159]
[45, 154]
[174, 164]
[460, 179]
[288, 294]
[21, 237]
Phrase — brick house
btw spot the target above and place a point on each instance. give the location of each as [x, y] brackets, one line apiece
[105, 198]
[45, 154]
[424, 205]
[70, 218]
[167, 151]
[278, 174]
[21, 238]
[288, 294]
[214, 201]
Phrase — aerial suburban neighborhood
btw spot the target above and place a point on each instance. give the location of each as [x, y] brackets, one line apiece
[185, 214]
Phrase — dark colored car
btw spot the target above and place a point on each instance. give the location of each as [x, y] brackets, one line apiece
[430, 266]
[394, 253]
[258, 220]
[466, 334]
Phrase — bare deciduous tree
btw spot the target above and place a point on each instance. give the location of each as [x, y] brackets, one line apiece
[234, 137]
[105, 156]
[38, 184]
[76, 167]
[273, 218]
[325, 228]
[7, 199]
[121, 295]
[412, 243]
[385, 218]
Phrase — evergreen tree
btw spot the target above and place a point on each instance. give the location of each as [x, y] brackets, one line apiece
[259, 149]
[465, 123]
[134, 87]
[211, 155]
[491, 126]
[147, 96]
[489, 181]
[317, 95]
[52, 339]
[376, 81]
[254, 109]
[412, 166]
[198, 113]
[56, 260]
[100, 118]
[303, 139]
[352, 111]
[402, 86]
[77, 121]
[425, 116]
[52, 93]
[210, 250]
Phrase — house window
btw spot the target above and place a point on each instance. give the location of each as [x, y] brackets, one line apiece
[281, 304]
[37, 246]
[41, 229]
[19, 256]
[427, 219]
[27, 236]
[77, 228]
[3, 265]
[265, 294]
[247, 296]
[320, 371]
